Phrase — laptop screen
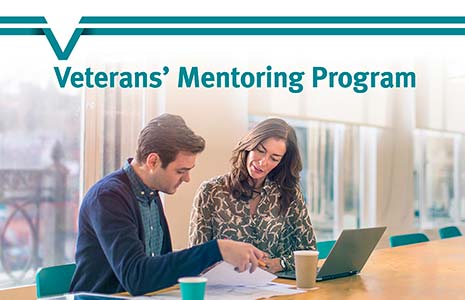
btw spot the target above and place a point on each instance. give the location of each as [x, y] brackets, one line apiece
[348, 255]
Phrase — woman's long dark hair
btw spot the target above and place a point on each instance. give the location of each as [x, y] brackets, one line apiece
[285, 174]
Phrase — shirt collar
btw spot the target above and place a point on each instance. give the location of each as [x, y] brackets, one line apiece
[139, 188]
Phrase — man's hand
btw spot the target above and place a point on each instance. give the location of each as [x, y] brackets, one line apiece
[240, 254]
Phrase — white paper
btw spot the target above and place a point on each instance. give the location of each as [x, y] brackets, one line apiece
[226, 284]
[234, 292]
[224, 274]
[250, 292]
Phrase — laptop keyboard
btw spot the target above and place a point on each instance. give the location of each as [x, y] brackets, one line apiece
[290, 274]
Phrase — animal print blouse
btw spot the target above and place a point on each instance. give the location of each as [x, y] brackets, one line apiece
[217, 215]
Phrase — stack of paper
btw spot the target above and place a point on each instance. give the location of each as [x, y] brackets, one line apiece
[224, 274]
[226, 284]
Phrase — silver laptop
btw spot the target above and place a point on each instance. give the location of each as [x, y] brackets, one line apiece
[348, 255]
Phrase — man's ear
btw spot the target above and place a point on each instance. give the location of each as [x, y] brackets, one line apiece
[153, 160]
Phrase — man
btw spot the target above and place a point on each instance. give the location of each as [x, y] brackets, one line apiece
[123, 242]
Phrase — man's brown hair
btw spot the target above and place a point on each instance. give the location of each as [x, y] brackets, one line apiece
[167, 135]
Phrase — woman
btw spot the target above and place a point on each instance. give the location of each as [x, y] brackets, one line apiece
[259, 201]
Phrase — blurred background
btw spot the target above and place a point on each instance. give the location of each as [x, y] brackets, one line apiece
[389, 157]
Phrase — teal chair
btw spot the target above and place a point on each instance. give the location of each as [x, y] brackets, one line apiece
[54, 280]
[324, 248]
[448, 232]
[407, 239]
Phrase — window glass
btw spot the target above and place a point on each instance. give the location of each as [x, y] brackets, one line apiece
[437, 177]
[352, 176]
[39, 179]
[331, 165]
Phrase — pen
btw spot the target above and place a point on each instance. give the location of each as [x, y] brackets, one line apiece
[262, 264]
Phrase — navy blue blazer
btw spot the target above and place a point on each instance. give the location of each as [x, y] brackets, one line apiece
[110, 251]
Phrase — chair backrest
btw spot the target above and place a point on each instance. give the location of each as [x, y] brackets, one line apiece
[448, 232]
[407, 239]
[324, 248]
[54, 280]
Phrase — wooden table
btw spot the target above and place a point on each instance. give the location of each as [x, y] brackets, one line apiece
[431, 270]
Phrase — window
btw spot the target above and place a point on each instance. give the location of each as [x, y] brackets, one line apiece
[333, 193]
[332, 177]
[39, 180]
[438, 175]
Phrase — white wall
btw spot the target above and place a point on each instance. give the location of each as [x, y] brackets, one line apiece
[219, 116]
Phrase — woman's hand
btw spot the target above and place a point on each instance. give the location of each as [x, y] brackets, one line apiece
[272, 265]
